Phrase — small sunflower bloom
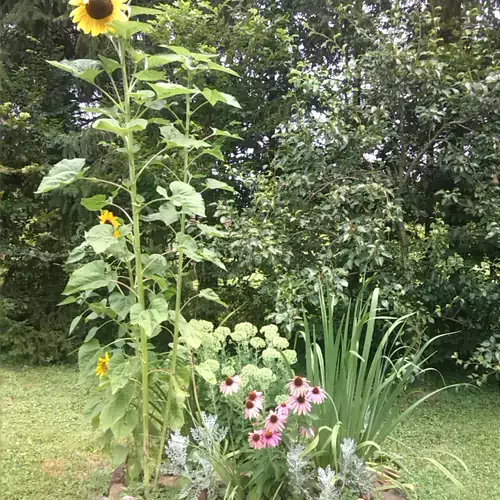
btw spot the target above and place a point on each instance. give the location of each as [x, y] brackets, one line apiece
[103, 365]
[95, 16]
[107, 217]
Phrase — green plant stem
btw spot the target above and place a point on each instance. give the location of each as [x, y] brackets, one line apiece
[178, 303]
[139, 285]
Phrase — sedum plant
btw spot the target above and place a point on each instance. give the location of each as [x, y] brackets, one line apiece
[137, 394]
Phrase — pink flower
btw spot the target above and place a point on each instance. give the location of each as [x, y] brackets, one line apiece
[256, 440]
[283, 409]
[301, 405]
[257, 398]
[251, 410]
[230, 385]
[317, 395]
[308, 433]
[275, 422]
[271, 439]
[298, 386]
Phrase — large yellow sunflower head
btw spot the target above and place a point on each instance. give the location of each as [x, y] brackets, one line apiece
[95, 16]
[102, 365]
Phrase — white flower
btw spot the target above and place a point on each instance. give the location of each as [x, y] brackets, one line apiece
[290, 356]
[270, 354]
[270, 332]
[280, 343]
[243, 332]
[257, 343]
[221, 333]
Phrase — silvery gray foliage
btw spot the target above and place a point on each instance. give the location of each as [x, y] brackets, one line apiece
[354, 473]
[298, 470]
[210, 433]
[202, 479]
[176, 451]
[327, 479]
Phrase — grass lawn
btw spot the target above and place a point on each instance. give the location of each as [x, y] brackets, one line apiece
[46, 450]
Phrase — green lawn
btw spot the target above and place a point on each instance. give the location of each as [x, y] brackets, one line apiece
[47, 452]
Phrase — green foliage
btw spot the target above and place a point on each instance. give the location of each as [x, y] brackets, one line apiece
[384, 168]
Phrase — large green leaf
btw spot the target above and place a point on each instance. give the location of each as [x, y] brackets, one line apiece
[188, 333]
[217, 67]
[85, 69]
[116, 406]
[224, 133]
[209, 255]
[205, 372]
[185, 196]
[96, 202]
[100, 237]
[189, 246]
[77, 254]
[215, 184]
[175, 139]
[211, 231]
[214, 96]
[150, 319]
[153, 264]
[88, 354]
[209, 294]
[113, 126]
[121, 369]
[110, 65]
[166, 213]
[164, 90]
[126, 425]
[163, 59]
[126, 29]
[143, 11]
[61, 174]
[150, 75]
[89, 277]
[121, 304]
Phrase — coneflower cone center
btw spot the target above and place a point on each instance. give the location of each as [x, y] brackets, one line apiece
[273, 419]
[99, 9]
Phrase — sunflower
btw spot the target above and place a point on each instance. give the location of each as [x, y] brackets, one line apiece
[107, 216]
[95, 16]
[102, 365]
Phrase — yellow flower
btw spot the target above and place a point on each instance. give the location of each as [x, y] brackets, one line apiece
[102, 365]
[95, 16]
[106, 217]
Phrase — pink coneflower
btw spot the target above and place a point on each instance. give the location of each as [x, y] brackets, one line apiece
[230, 385]
[307, 432]
[275, 422]
[271, 439]
[301, 405]
[256, 440]
[298, 386]
[283, 409]
[251, 410]
[317, 395]
[257, 398]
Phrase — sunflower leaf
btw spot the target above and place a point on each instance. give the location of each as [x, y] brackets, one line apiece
[126, 29]
[96, 202]
[110, 65]
[89, 277]
[61, 174]
[85, 69]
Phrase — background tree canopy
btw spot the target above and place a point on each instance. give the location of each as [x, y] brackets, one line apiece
[370, 134]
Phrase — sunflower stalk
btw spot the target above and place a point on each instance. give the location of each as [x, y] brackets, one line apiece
[138, 283]
[178, 301]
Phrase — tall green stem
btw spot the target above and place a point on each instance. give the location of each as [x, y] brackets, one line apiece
[139, 285]
[178, 300]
